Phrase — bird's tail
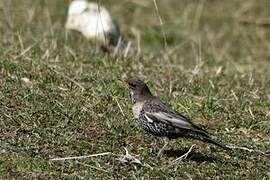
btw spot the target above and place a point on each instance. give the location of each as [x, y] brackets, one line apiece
[217, 143]
[203, 136]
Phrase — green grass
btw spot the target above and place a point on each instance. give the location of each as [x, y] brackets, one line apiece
[214, 70]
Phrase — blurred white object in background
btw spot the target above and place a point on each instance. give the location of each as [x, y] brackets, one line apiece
[93, 21]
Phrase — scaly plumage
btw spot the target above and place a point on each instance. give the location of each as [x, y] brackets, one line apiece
[158, 119]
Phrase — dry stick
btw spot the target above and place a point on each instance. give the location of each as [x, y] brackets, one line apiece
[267, 114]
[234, 95]
[117, 48]
[177, 47]
[81, 157]
[184, 156]
[198, 15]
[20, 41]
[121, 110]
[161, 24]
[127, 156]
[25, 51]
[133, 159]
[247, 149]
[48, 16]
[138, 37]
[127, 49]
[122, 157]
[251, 113]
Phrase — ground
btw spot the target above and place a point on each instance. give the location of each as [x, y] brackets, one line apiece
[61, 97]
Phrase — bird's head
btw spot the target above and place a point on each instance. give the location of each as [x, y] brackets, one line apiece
[139, 91]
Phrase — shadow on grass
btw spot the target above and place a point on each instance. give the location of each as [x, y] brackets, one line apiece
[193, 156]
[200, 157]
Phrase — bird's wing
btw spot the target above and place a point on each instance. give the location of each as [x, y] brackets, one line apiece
[160, 112]
[168, 118]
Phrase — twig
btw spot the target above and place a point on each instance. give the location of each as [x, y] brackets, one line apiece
[133, 159]
[247, 149]
[161, 24]
[138, 37]
[128, 157]
[25, 51]
[267, 114]
[122, 158]
[80, 157]
[127, 49]
[251, 113]
[234, 95]
[177, 47]
[198, 14]
[184, 156]
[121, 110]
[116, 49]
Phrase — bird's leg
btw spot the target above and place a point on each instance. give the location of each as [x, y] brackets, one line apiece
[166, 142]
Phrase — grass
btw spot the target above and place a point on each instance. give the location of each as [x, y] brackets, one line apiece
[214, 70]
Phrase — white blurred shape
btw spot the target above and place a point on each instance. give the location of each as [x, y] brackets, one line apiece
[93, 21]
[26, 80]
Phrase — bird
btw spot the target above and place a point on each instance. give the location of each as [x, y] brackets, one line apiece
[94, 22]
[157, 118]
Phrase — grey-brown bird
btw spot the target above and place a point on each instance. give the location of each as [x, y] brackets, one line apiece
[158, 119]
